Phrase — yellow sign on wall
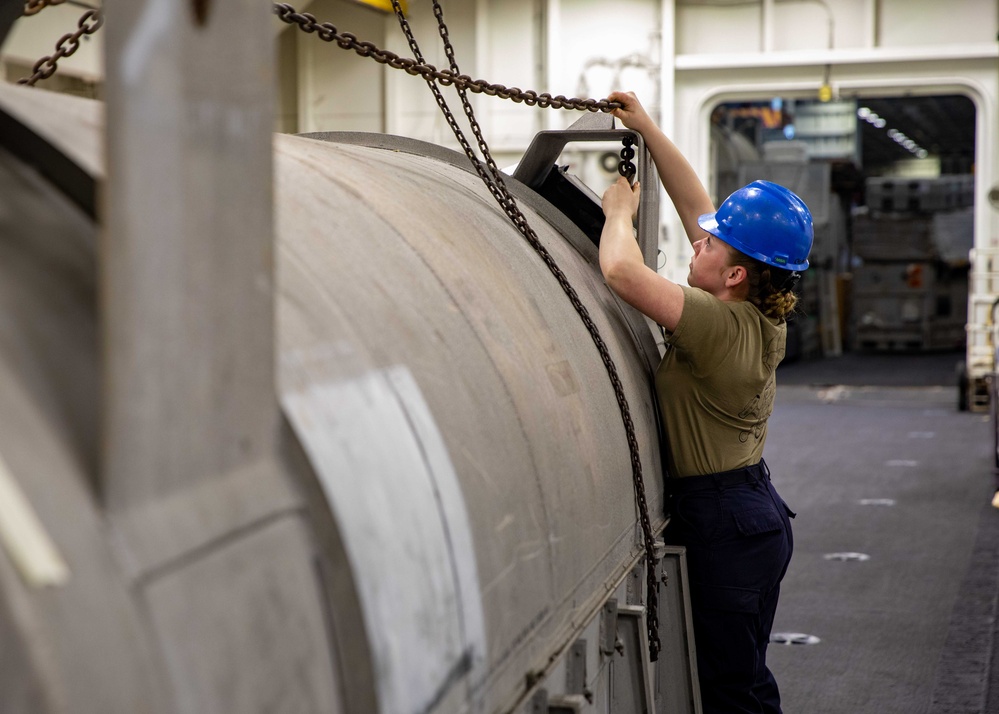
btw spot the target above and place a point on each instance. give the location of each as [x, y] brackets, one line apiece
[385, 5]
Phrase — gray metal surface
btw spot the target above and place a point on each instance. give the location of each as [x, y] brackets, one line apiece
[194, 478]
[457, 503]
[56, 135]
[49, 392]
[676, 684]
[444, 505]
[393, 266]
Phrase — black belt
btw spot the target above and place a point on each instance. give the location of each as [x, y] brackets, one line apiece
[724, 479]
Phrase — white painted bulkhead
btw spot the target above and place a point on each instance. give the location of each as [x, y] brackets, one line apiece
[682, 58]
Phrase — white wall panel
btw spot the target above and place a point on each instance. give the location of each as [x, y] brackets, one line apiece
[929, 22]
[709, 29]
[607, 46]
[809, 25]
[338, 89]
[411, 109]
[509, 50]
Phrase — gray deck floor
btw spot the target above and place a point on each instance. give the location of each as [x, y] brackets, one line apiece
[909, 630]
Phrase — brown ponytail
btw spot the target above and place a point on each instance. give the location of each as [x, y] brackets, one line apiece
[770, 289]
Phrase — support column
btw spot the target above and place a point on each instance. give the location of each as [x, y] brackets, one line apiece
[187, 265]
[195, 478]
[767, 26]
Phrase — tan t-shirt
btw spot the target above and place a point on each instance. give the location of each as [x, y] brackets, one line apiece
[716, 384]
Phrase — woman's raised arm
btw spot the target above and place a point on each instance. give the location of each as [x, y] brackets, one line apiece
[677, 175]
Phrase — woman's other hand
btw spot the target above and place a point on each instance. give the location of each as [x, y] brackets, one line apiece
[621, 199]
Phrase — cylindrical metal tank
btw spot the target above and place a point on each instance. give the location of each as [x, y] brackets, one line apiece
[457, 413]
[463, 475]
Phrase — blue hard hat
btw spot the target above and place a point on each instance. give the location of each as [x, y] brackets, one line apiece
[765, 221]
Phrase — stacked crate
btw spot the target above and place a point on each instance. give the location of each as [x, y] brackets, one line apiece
[910, 284]
[981, 359]
[919, 195]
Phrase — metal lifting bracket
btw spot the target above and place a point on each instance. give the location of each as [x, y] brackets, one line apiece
[538, 171]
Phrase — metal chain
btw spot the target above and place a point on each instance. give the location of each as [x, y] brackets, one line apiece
[625, 167]
[33, 7]
[328, 33]
[497, 187]
[44, 68]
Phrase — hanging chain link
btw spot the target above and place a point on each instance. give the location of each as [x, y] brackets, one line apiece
[33, 7]
[625, 167]
[44, 68]
[494, 181]
[348, 41]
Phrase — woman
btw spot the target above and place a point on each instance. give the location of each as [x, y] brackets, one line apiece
[725, 337]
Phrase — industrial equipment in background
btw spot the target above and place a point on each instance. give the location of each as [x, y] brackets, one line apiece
[911, 249]
[751, 143]
[893, 240]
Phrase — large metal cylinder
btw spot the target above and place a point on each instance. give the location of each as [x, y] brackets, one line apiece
[457, 413]
[462, 508]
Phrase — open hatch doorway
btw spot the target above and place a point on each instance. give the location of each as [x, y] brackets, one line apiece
[890, 183]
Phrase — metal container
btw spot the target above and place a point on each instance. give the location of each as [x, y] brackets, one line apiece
[457, 413]
[450, 520]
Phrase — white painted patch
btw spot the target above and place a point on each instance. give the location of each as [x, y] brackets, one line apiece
[25, 539]
[793, 638]
[877, 502]
[922, 434]
[834, 394]
[902, 463]
[390, 483]
[846, 557]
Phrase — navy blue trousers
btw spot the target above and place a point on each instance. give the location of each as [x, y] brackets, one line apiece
[737, 532]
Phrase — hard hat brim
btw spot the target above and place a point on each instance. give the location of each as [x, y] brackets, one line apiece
[709, 223]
